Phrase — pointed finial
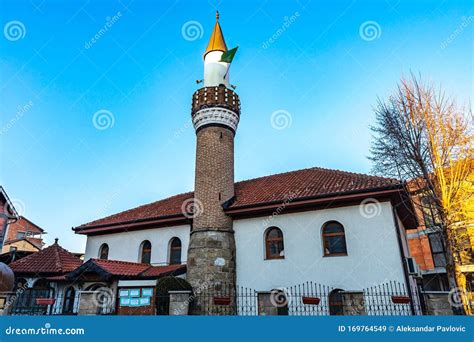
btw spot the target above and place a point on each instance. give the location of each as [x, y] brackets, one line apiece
[217, 42]
[56, 241]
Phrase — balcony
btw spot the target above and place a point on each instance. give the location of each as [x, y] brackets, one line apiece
[215, 97]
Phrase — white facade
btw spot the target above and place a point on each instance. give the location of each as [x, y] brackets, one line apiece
[373, 253]
[373, 249]
[126, 246]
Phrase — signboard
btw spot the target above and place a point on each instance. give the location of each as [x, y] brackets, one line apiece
[136, 296]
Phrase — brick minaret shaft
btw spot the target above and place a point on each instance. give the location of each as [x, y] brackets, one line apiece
[215, 114]
[211, 255]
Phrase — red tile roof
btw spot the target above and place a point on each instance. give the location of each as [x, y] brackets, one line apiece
[51, 260]
[301, 184]
[156, 271]
[121, 268]
[117, 268]
[126, 268]
[166, 207]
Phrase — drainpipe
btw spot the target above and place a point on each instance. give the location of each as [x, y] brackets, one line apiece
[8, 221]
[402, 257]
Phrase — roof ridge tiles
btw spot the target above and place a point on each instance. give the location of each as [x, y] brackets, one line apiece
[302, 183]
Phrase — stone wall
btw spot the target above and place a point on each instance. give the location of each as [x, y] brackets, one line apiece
[437, 303]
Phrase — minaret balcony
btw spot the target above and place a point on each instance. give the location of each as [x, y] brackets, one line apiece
[220, 96]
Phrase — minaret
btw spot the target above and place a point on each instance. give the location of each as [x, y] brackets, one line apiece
[215, 114]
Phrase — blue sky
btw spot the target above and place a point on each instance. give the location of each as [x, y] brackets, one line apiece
[323, 70]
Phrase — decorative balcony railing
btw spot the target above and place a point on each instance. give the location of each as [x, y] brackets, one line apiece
[219, 96]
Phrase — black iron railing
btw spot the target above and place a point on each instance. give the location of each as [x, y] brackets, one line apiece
[306, 299]
[44, 302]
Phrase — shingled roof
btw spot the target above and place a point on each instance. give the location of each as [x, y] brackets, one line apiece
[305, 183]
[124, 269]
[298, 185]
[170, 206]
[53, 260]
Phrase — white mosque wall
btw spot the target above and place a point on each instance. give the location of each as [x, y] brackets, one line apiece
[373, 253]
[373, 250]
[126, 246]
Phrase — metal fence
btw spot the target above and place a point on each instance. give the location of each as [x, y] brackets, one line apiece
[44, 302]
[25, 302]
[307, 299]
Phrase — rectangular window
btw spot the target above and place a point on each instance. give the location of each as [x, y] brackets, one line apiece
[430, 213]
[437, 249]
[20, 235]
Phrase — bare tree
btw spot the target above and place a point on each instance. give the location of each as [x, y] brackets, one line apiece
[423, 137]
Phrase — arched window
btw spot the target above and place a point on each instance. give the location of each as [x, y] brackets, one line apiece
[69, 297]
[336, 306]
[334, 239]
[274, 248]
[145, 252]
[104, 251]
[175, 251]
